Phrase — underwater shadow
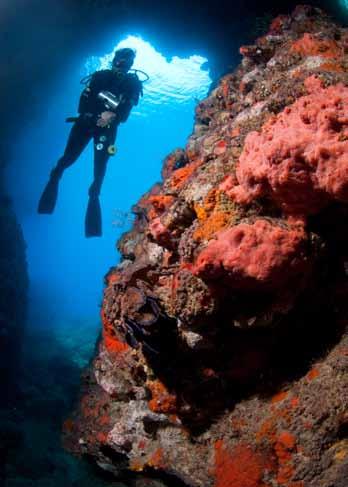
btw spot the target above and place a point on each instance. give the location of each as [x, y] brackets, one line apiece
[47, 386]
[264, 360]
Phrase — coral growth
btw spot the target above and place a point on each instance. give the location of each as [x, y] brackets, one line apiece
[311, 45]
[224, 356]
[240, 467]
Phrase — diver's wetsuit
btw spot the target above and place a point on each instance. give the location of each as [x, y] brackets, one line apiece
[81, 133]
[125, 86]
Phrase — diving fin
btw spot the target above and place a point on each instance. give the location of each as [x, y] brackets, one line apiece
[93, 221]
[49, 196]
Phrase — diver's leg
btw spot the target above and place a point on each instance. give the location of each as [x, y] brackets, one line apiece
[103, 141]
[79, 137]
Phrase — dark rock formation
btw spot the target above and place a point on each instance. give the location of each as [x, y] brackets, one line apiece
[13, 293]
[224, 356]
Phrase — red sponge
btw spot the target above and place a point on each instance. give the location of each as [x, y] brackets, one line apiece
[300, 157]
[249, 256]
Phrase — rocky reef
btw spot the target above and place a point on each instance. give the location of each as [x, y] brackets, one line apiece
[13, 313]
[13, 292]
[224, 355]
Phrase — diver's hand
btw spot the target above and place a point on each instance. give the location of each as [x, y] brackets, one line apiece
[105, 119]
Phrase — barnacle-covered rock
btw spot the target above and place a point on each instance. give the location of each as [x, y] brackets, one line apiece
[166, 230]
[188, 297]
[224, 355]
[174, 161]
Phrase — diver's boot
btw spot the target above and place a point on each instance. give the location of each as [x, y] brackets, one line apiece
[49, 196]
[93, 221]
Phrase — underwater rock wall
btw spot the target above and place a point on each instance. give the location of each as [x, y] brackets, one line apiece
[13, 292]
[224, 354]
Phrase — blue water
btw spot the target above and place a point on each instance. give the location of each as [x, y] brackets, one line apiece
[66, 269]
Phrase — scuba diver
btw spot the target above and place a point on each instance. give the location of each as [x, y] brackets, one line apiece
[105, 102]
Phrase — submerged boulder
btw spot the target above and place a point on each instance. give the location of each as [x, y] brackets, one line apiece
[224, 355]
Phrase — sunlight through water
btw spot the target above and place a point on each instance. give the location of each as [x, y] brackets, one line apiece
[176, 81]
[66, 269]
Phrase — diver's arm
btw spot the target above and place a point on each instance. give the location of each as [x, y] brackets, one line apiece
[129, 99]
[124, 109]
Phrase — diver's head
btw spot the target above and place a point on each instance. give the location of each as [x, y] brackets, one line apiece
[123, 60]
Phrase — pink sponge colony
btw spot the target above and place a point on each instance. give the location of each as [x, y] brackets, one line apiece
[253, 255]
[300, 157]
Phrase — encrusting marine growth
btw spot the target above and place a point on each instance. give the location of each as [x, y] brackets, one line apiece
[299, 159]
[224, 355]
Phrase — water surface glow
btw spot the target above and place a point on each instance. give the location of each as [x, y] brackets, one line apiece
[176, 82]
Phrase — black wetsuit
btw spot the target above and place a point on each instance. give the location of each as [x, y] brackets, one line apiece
[127, 88]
